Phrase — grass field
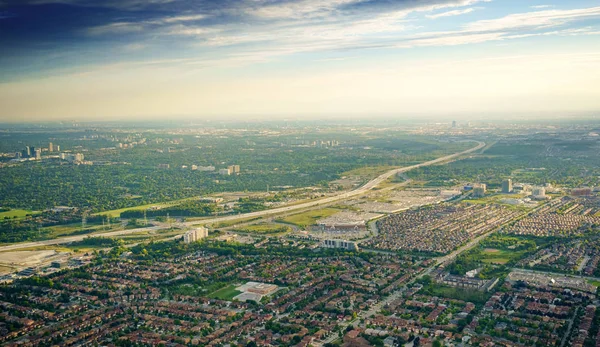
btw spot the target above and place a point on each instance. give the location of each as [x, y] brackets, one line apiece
[264, 228]
[75, 229]
[499, 256]
[117, 213]
[15, 213]
[474, 296]
[233, 222]
[310, 217]
[594, 283]
[227, 293]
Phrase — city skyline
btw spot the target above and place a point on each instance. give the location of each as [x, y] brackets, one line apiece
[111, 60]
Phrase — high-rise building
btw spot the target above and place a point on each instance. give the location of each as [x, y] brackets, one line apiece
[454, 124]
[539, 192]
[479, 190]
[195, 235]
[26, 153]
[57, 148]
[50, 147]
[38, 153]
[507, 186]
[234, 169]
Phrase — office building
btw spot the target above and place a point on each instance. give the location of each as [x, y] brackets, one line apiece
[349, 245]
[195, 235]
[479, 190]
[50, 147]
[454, 124]
[581, 192]
[57, 148]
[38, 153]
[26, 153]
[234, 169]
[539, 193]
[507, 186]
[225, 172]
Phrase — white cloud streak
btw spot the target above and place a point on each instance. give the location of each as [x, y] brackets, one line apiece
[450, 13]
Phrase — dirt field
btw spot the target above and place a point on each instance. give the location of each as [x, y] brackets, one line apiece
[26, 258]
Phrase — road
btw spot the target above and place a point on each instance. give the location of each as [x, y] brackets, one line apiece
[343, 196]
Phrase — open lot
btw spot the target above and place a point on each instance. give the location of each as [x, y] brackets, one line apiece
[264, 228]
[309, 218]
[15, 213]
[226, 293]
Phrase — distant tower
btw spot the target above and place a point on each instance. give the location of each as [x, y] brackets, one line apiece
[50, 147]
[454, 124]
[145, 219]
[507, 186]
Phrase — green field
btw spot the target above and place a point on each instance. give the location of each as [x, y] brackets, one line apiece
[309, 218]
[233, 222]
[15, 213]
[117, 213]
[264, 228]
[594, 283]
[227, 293]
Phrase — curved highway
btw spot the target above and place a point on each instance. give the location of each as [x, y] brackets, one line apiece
[358, 191]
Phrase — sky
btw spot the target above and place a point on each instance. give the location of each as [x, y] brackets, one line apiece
[161, 59]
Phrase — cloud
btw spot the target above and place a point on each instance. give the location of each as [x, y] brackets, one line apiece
[116, 28]
[535, 20]
[539, 7]
[451, 13]
[128, 5]
[242, 32]
[130, 27]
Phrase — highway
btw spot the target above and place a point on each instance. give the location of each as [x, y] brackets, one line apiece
[343, 196]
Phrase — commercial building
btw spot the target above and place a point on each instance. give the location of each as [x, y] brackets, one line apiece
[507, 186]
[349, 245]
[234, 169]
[195, 235]
[38, 153]
[479, 190]
[50, 147]
[581, 192]
[225, 172]
[538, 193]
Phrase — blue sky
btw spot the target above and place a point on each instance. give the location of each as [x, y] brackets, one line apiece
[89, 59]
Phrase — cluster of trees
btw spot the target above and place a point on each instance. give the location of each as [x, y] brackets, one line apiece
[98, 242]
[185, 209]
[563, 167]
